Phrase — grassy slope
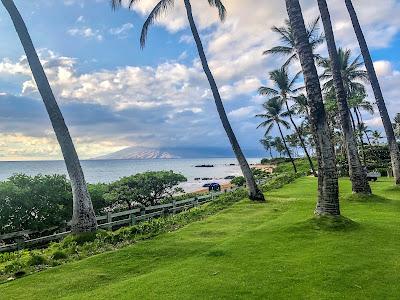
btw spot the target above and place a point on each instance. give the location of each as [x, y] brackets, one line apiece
[247, 251]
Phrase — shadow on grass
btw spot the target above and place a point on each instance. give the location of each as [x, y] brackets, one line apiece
[363, 198]
[325, 223]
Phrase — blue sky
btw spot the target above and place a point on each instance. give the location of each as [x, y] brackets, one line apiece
[115, 95]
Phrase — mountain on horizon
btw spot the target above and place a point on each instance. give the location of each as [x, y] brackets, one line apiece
[173, 153]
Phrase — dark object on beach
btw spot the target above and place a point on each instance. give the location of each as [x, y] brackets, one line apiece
[232, 164]
[206, 178]
[207, 185]
[230, 177]
[204, 166]
[197, 178]
[214, 187]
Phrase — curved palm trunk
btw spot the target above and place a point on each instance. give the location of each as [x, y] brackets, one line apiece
[328, 187]
[357, 172]
[84, 219]
[301, 140]
[287, 148]
[254, 192]
[387, 124]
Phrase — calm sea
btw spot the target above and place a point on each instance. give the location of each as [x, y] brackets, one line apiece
[110, 170]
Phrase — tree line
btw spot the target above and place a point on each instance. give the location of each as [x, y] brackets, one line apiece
[302, 44]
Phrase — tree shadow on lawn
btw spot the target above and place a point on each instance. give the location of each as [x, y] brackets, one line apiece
[324, 223]
[363, 198]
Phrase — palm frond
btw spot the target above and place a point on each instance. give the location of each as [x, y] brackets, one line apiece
[221, 8]
[266, 91]
[157, 11]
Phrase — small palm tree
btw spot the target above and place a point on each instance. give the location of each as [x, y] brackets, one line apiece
[376, 137]
[285, 90]
[274, 115]
[267, 142]
[288, 49]
[160, 8]
[83, 218]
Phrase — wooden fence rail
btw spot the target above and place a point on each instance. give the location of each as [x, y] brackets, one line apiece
[108, 221]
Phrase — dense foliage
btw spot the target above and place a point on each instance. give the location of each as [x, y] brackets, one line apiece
[45, 201]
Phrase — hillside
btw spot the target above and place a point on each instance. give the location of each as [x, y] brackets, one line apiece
[181, 152]
[249, 251]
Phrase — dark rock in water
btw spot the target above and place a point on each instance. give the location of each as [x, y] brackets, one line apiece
[197, 178]
[204, 166]
[230, 177]
[206, 178]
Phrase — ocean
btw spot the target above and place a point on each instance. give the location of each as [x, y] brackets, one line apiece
[106, 171]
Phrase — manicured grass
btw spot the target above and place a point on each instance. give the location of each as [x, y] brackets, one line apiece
[248, 251]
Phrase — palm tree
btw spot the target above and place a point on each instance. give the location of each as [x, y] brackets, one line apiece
[278, 145]
[373, 78]
[396, 126]
[285, 89]
[376, 137]
[357, 172]
[267, 142]
[275, 115]
[83, 219]
[328, 186]
[288, 49]
[254, 192]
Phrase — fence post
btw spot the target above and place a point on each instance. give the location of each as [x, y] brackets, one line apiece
[174, 206]
[109, 220]
[133, 219]
[196, 201]
[20, 241]
[142, 212]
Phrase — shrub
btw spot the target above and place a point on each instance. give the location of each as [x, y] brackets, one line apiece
[239, 181]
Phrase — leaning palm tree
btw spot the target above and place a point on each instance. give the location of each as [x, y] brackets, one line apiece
[358, 176]
[328, 185]
[274, 115]
[254, 192]
[285, 89]
[288, 49]
[387, 124]
[83, 219]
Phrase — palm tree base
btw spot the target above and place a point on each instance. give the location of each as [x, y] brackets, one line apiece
[257, 197]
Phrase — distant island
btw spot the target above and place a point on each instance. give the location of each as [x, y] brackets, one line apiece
[175, 153]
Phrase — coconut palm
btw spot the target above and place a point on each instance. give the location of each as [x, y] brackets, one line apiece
[274, 115]
[396, 126]
[380, 101]
[278, 145]
[254, 192]
[284, 90]
[341, 86]
[84, 219]
[376, 137]
[267, 142]
[288, 49]
[328, 186]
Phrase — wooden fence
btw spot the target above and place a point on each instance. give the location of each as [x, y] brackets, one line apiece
[125, 218]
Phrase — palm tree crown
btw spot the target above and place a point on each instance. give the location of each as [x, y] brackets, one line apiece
[288, 49]
[274, 114]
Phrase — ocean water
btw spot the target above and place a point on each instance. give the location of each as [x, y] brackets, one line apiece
[107, 171]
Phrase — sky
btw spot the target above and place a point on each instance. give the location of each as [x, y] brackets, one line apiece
[114, 95]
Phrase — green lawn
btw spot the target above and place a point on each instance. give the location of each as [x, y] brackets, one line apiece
[249, 251]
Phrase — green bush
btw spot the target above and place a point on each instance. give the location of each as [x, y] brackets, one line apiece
[58, 255]
[36, 259]
[239, 181]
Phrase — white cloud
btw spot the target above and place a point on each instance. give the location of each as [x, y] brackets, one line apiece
[122, 31]
[85, 32]
[383, 68]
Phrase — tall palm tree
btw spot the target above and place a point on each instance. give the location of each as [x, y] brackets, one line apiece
[387, 124]
[285, 89]
[396, 126]
[328, 185]
[267, 142]
[358, 176]
[274, 115]
[254, 192]
[288, 49]
[83, 219]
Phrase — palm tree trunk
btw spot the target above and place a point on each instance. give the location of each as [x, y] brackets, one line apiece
[360, 134]
[301, 140]
[387, 124]
[357, 172]
[287, 148]
[254, 192]
[84, 219]
[328, 186]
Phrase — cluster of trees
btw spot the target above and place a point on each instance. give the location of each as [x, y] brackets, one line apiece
[300, 44]
[27, 203]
